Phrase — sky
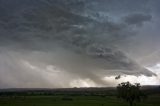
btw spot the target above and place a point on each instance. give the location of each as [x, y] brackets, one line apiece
[79, 43]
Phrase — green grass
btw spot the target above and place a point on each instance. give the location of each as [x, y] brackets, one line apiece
[153, 100]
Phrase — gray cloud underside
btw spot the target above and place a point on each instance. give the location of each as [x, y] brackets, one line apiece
[44, 33]
[137, 19]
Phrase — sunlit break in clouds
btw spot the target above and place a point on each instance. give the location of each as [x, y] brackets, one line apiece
[79, 43]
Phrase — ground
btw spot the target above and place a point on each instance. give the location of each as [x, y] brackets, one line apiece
[62, 100]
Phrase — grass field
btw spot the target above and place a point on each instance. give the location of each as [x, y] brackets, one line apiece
[153, 100]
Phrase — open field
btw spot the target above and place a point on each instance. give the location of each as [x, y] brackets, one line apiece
[72, 97]
[153, 100]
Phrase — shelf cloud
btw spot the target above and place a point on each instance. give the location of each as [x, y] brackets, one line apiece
[52, 43]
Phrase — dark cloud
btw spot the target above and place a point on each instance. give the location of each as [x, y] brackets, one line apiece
[40, 34]
[137, 19]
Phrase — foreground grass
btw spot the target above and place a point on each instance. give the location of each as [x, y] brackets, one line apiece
[153, 100]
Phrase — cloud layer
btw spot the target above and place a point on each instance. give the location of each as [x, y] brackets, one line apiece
[43, 41]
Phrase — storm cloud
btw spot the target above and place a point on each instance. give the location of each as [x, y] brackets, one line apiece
[137, 19]
[51, 43]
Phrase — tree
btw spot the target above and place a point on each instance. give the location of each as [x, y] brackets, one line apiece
[131, 93]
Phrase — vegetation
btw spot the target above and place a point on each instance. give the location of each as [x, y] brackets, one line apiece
[72, 97]
[130, 93]
[76, 101]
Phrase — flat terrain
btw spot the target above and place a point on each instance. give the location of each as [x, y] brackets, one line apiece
[73, 97]
[153, 100]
